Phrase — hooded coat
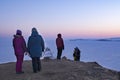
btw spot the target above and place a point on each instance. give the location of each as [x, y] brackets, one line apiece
[35, 44]
[19, 45]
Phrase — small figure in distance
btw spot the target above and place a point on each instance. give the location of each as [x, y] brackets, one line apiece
[76, 54]
[60, 45]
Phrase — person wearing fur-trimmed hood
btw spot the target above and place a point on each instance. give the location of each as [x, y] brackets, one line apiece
[19, 46]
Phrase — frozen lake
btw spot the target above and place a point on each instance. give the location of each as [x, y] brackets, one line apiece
[106, 53]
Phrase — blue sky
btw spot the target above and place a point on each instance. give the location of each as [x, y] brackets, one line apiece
[72, 18]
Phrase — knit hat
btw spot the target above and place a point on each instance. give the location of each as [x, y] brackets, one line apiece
[18, 32]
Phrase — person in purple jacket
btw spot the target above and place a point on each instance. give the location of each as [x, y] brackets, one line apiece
[20, 48]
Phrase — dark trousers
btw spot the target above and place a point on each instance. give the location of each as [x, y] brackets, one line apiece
[36, 63]
[59, 53]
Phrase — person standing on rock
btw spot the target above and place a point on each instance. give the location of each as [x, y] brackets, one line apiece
[20, 48]
[35, 49]
[60, 45]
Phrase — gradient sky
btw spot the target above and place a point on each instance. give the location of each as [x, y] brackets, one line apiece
[72, 18]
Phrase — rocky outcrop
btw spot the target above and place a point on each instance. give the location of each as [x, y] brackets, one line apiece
[59, 70]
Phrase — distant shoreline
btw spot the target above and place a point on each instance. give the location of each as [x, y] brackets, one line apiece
[102, 39]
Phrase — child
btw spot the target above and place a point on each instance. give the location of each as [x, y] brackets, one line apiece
[76, 54]
[48, 54]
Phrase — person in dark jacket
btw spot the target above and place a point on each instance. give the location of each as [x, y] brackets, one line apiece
[76, 54]
[19, 45]
[60, 45]
[35, 49]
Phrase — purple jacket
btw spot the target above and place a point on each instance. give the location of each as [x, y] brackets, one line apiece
[19, 45]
